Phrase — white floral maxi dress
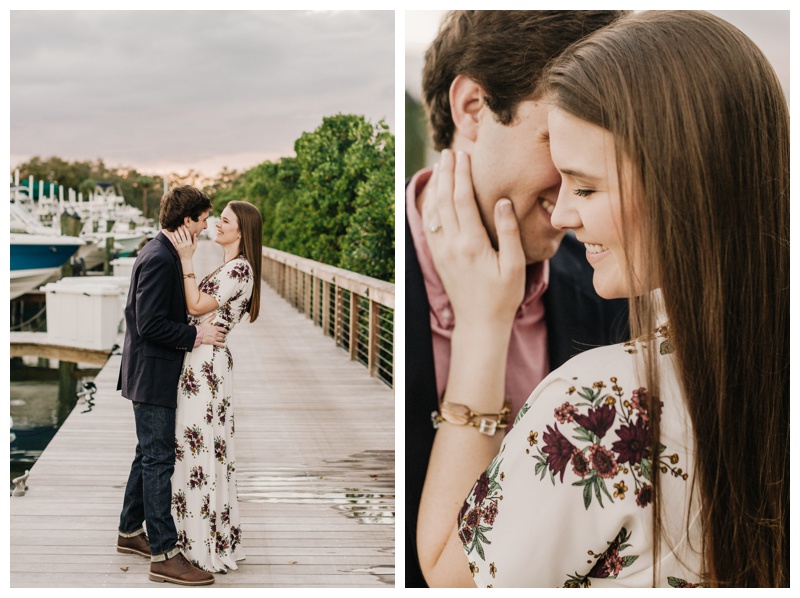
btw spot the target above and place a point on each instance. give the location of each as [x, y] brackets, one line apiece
[204, 498]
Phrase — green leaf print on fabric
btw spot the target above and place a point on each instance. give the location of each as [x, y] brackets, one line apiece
[604, 438]
[474, 522]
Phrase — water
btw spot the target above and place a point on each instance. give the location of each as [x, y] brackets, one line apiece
[38, 407]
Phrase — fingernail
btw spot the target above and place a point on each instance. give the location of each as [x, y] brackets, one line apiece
[505, 207]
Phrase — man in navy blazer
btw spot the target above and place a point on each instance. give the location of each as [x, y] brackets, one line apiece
[479, 90]
[157, 336]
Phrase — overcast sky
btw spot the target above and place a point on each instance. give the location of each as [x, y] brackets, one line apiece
[166, 91]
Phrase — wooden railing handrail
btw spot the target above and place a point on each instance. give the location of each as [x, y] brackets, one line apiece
[357, 311]
[380, 291]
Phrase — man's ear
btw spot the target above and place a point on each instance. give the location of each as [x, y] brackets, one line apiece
[466, 101]
[187, 220]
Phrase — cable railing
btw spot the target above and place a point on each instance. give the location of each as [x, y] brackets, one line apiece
[355, 310]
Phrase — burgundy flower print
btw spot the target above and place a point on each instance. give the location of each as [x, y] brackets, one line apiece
[211, 378]
[480, 510]
[220, 449]
[633, 443]
[188, 383]
[184, 542]
[204, 508]
[179, 505]
[179, 452]
[580, 464]
[209, 413]
[558, 449]
[195, 439]
[603, 461]
[609, 564]
[565, 413]
[225, 515]
[197, 478]
[236, 537]
[597, 421]
[222, 545]
[222, 409]
[489, 513]
[598, 457]
[240, 271]
[481, 488]
[644, 495]
[210, 287]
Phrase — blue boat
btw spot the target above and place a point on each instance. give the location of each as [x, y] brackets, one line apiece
[37, 257]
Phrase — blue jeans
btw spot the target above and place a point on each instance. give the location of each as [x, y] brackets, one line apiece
[148, 495]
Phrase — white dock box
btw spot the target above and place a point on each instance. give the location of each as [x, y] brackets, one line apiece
[84, 315]
[123, 266]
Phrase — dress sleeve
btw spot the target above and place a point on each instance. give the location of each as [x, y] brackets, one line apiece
[566, 502]
[230, 281]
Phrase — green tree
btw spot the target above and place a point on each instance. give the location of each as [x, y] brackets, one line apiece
[342, 169]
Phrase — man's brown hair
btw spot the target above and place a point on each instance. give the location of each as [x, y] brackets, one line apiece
[504, 51]
[181, 202]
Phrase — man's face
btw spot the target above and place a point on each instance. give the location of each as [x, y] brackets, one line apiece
[197, 227]
[513, 161]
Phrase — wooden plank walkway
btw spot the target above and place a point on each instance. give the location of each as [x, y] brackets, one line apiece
[315, 456]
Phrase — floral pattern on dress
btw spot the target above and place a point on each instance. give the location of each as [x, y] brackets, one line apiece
[480, 509]
[609, 563]
[596, 457]
[587, 428]
[205, 475]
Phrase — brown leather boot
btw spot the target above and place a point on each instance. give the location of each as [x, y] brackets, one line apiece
[180, 571]
[137, 545]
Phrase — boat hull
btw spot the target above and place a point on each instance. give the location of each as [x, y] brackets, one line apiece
[35, 258]
[23, 281]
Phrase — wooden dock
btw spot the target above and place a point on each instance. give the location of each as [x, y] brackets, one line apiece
[315, 465]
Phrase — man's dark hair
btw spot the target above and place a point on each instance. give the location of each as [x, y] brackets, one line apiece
[504, 51]
[181, 202]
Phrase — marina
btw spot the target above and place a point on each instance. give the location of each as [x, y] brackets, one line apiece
[315, 448]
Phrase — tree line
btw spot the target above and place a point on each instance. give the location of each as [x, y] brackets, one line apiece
[332, 202]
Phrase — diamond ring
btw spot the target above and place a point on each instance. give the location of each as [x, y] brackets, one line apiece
[435, 228]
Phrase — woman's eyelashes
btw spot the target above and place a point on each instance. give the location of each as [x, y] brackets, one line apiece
[583, 192]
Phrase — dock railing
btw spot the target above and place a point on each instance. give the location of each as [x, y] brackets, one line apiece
[355, 310]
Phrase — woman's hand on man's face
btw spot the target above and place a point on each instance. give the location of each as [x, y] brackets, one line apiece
[483, 285]
[184, 242]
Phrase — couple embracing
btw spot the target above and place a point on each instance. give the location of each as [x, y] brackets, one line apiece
[178, 373]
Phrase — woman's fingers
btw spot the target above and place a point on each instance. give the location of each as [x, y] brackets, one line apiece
[511, 256]
[443, 194]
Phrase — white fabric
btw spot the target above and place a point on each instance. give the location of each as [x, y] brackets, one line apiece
[204, 499]
[559, 506]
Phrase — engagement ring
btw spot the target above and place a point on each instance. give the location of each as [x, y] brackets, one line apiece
[435, 228]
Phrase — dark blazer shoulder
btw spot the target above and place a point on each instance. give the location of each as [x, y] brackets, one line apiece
[577, 318]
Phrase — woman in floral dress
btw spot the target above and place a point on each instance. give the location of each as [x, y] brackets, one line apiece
[204, 498]
[664, 460]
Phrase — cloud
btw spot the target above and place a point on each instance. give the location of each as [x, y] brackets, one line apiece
[182, 87]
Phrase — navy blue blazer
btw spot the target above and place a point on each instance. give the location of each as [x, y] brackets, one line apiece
[157, 333]
[576, 319]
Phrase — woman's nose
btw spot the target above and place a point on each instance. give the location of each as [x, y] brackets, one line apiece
[565, 215]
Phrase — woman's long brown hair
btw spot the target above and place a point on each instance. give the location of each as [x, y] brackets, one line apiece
[250, 225]
[699, 115]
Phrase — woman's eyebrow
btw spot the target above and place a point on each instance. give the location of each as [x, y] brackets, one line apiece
[577, 174]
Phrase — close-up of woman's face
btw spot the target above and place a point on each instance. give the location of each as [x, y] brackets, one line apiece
[589, 202]
[227, 227]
